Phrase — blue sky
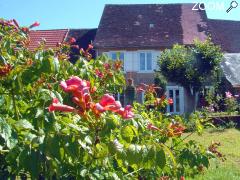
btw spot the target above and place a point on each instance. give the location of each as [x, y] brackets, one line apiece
[55, 14]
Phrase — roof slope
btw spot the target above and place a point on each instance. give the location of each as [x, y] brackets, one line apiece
[231, 68]
[52, 37]
[226, 34]
[150, 26]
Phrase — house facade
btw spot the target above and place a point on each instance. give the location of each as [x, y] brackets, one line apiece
[141, 32]
[138, 33]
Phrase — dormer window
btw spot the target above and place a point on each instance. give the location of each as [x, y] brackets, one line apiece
[151, 25]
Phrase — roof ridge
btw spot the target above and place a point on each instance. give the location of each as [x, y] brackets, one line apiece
[149, 4]
[82, 28]
[226, 20]
[50, 30]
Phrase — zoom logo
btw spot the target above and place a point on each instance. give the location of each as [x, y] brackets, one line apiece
[219, 6]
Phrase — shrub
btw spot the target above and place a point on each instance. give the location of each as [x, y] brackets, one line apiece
[231, 104]
[59, 120]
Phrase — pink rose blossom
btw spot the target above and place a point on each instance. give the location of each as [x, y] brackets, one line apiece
[228, 94]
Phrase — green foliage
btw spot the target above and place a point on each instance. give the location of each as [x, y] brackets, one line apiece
[174, 64]
[160, 81]
[37, 143]
[191, 66]
[231, 105]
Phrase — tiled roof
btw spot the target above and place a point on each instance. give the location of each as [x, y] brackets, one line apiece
[226, 34]
[231, 66]
[150, 26]
[52, 37]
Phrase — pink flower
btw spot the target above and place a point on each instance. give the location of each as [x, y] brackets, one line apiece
[182, 178]
[150, 126]
[82, 51]
[99, 74]
[72, 40]
[140, 89]
[228, 94]
[57, 106]
[170, 101]
[80, 90]
[107, 66]
[75, 84]
[25, 29]
[126, 112]
[108, 102]
[90, 46]
[99, 108]
[34, 25]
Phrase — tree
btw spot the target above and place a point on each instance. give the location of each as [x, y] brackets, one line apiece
[160, 81]
[193, 66]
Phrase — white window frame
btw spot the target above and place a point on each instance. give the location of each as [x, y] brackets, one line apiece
[142, 97]
[181, 99]
[124, 55]
[139, 65]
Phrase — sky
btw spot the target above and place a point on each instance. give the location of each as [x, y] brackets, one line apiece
[60, 14]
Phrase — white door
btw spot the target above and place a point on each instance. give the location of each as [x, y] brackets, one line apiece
[176, 94]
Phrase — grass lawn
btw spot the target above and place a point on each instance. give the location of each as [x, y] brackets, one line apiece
[230, 147]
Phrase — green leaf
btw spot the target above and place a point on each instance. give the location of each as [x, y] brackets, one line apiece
[39, 113]
[56, 65]
[134, 154]
[84, 172]
[101, 150]
[24, 124]
[5, 130]
[149, 157]
[88, 140]
[128, 133]
[47, 64]
[160, 158]
[169, 152]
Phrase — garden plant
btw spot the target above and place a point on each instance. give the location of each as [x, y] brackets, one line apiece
[60, 120]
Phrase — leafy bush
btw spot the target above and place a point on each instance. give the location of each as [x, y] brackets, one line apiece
[60, 120]
[192, 67]
[231, 104]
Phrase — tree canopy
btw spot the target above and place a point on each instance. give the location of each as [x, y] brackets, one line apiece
[191, 66]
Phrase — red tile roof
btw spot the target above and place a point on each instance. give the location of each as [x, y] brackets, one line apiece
[52, 37]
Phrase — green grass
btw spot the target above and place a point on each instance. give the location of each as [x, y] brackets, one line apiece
[230, 147]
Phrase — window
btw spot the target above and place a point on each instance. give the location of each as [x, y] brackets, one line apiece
[176, 94]
[118, 55]
[146, 61]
